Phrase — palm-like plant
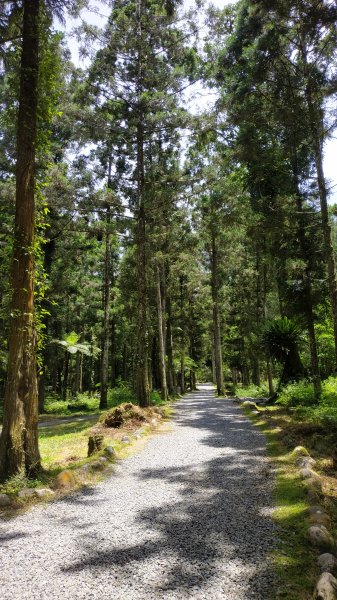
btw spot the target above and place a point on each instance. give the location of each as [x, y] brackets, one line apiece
[282, 340]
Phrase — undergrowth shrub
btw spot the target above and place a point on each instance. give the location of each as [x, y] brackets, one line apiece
[300, 397]
[253, 391]
[120, 394]
[300, 393]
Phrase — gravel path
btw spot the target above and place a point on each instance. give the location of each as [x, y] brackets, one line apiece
[187, 517]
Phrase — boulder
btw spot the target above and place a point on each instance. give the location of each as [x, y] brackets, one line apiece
[26, 493]
[65, 480]
[321, 538]
[327, 563]
[44, 493]
[125, 439]
[318, 516]
[326, 588]
[300, 451]
[314, 489]
[307, 473]
[305, 462]
[98, 465]
[4, 500]
[110, 452]
[249, 404]
[84, 470]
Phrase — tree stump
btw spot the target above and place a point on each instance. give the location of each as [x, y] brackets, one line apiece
[95, 443]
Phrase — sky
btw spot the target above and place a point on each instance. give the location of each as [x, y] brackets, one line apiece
[99, 18]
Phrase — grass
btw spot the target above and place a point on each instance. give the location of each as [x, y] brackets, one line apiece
[294, 559]
[64, 443]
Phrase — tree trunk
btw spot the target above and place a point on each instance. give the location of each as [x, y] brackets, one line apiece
[182, 373]
[162, 365]
[182, 337]
[65, 376]
[142, 377]
[171, 380]
[317, 145]
[114, 365]
[270, 379]
[216, 319]
[103, 403]
[19, 439]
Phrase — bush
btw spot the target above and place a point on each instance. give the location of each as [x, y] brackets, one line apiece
[253, 391]
[82, 403]
[329, 392]
[296, 394]
[120, 394]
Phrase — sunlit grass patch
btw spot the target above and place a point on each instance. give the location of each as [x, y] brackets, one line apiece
[293, 558]
[64, 443]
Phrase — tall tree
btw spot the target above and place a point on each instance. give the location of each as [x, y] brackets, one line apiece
[19, 440]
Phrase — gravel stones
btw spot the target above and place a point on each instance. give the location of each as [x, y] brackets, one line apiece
[188, 518]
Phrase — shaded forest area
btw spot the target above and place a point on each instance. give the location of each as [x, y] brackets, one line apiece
[148, 240]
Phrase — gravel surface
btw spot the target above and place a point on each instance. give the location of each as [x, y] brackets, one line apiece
[187, 517]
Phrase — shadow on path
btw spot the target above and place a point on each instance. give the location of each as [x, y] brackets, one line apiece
[218, 531]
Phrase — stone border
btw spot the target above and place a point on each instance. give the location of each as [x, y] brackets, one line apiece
[319, 534]
[70, 480]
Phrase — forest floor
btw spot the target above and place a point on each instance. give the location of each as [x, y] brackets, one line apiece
[187, 517]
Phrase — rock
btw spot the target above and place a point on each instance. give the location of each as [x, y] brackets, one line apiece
[326, 588]
[154, 422]
[307, 473]
[44, 493]
[318, 516]
[97, 465]
[327, 563]
[300, 451]
[26, 493]
[249, 404]
[305, 462]
[103, 460]
[4, 500]
[321, 537]
[84, 470]
[110, 452]
[125, 439]
[65, 480]
[95, 443]
[314, 488]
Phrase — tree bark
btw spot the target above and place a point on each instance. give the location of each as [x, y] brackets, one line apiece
[162, 365]
[103, 403]
[19, 439]
[317, 145]
[142, 377]
[171, 379]
[216, 319]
